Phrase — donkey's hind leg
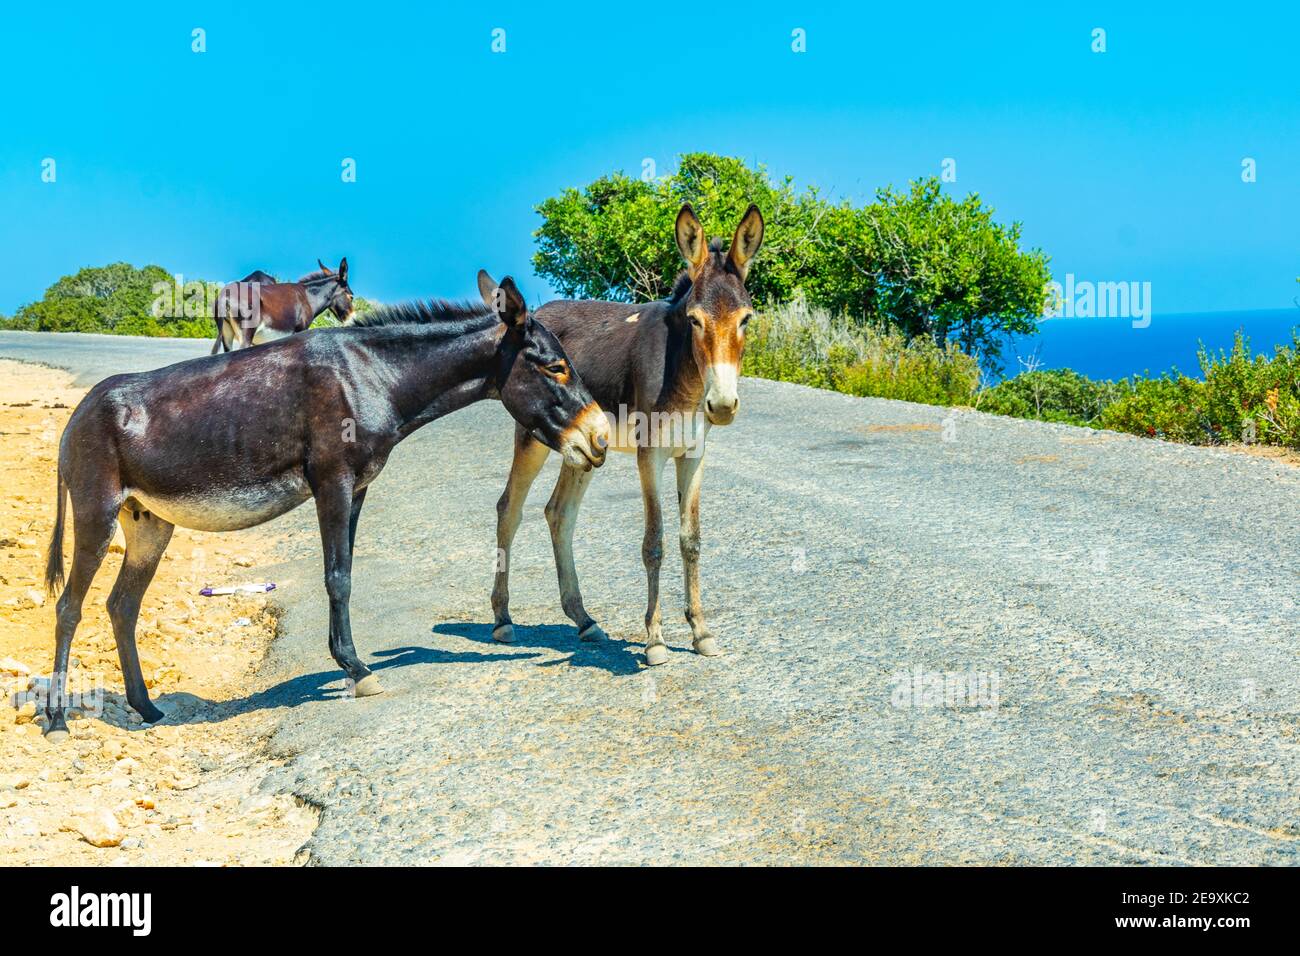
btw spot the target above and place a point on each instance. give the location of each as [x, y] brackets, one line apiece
[147, 537]
[562, 516]
[530, 456]
[92, 529]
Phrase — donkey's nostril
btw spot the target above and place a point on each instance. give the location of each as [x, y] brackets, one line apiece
[708, 405]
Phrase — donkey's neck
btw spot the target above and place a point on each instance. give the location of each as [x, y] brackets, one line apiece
[682, 380]
[431, 374]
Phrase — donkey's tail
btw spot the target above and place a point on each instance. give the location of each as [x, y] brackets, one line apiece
[54, 558]
[220, 343]
[220, 312]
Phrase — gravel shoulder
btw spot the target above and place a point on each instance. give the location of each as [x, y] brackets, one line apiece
[1126, 609]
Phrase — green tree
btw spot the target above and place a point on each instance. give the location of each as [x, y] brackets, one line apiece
[612, 239]
[917, 260]
[96, 299]
[944, 268]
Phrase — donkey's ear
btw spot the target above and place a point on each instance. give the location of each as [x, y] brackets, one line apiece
[749, 236]
[343, 271]
[487, 288]
[324, 268]
[690, 240]
[512, 308]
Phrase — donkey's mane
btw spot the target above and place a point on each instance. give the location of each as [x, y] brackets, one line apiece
[682, 284]
[454, 316]
[314, 278]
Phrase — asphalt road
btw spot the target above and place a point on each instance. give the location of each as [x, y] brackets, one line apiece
[1128, 608]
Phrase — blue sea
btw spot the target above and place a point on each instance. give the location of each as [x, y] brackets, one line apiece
[1112, 348]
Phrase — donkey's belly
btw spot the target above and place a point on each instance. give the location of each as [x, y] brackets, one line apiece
[265, 333]
[227, 509]
[676, 432]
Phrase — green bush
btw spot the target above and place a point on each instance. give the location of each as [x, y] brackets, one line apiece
[916, 259]
[1240, 392]
[116, 298]
[1167, 407]
[1056, 395]
[795, 343]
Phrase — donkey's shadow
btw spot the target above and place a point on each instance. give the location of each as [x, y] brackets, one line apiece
[182, 707]
[617, 656]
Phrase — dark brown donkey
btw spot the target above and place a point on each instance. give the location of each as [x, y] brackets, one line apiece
[312, 416]
[258, 309]
[664, 372]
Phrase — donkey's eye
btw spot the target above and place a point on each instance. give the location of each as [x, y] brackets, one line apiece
[556, 369]
[745, 321]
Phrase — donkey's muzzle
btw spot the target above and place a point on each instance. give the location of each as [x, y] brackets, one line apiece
[721, 398]
[721, 412]
[585, 442]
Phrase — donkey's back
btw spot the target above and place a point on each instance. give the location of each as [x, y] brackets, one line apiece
[213, 444]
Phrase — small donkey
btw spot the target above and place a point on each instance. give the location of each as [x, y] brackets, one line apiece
[258, 309]
[659, 365]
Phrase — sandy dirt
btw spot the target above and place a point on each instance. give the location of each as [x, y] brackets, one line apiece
[185, 791]
[1289, 456]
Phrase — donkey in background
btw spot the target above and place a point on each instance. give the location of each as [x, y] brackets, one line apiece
[675, 360]
[312, 416]
[258, 309]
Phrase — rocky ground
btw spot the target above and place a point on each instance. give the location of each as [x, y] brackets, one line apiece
[117, 792]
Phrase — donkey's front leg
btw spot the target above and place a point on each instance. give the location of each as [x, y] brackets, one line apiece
[530, 456]
[562, 516]
[334, 510]
[690, 473]
[650, 464]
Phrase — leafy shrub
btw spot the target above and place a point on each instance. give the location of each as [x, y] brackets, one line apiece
[1167, 407]
[116, 298]
[1056, 395]
[1240, 393]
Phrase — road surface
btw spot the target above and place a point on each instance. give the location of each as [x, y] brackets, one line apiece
[951, 638]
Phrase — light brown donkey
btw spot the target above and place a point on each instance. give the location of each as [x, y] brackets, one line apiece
[664, 372]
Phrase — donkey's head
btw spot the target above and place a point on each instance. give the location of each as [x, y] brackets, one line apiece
[538, 385]
[717, 306]
[340, 302]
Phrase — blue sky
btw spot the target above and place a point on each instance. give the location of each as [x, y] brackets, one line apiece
[1122, 166]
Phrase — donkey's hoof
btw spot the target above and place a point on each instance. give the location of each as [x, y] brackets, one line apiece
[504, 633]
[56, 737]
[368, 686]
[592, 633]
[656, 654]
[708, 647]
[150, 714]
